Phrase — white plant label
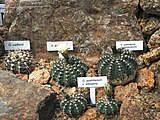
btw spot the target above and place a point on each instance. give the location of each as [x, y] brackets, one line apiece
[17, 45]
[130, 45]
[92, 81]
[59, 45]
[2, 9]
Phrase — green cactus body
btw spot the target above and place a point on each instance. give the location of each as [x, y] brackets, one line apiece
[19, 61]
[74, 105]
[66, 70]
[119, 66]
[107, 106]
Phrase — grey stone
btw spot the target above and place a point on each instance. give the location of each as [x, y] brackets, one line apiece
[21, 100]
[151, 6]
[92, 25]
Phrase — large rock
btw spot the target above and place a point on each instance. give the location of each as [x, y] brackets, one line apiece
[21, 100]
[151, 6]
[92, 25]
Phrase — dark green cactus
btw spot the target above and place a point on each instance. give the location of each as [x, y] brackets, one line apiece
[74, 105]
[107, 106]
[66, 70]
[19, 61]
[118, 65]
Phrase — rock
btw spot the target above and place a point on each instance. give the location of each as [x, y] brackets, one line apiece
[24, 101]
[157, 79]
[92, 25]
[123, 92]
[149, 57]
[145, 79]
[134, 108]
[154, 41]
[39, 76]
[151, 6]
[149, 25]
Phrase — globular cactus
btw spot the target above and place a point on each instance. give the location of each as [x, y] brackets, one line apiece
[118, 65]
[19, 61]
[66, 70]
[108, 89]
[107, 106]
[74, 105]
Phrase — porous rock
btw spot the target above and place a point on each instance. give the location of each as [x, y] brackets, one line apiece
[145, 79]
[24, 101]
[92, 25]
[134, 108]
[154, 41]
[147, 58]
[39, 76]
[122, 92]
[151, 6]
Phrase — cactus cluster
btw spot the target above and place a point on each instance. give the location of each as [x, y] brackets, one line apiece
[19, 61]
[118, 65]
[66, 70]
[107, 106]
[108, 89]
[74, 105]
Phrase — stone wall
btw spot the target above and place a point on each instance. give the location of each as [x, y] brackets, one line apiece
[92, 25]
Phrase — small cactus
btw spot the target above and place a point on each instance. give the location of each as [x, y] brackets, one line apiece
[66, 70]
[74, 105]
[118, 65]
[108, 89]
[107, 106]
[19, 61]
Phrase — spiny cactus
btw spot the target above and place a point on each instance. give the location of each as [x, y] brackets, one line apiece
[66, 70]
[19, 61]
[107, 106]
[118, 65]
[74, 105]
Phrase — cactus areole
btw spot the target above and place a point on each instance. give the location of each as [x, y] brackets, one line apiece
[118, 65]
[74, 105]
[67, 68]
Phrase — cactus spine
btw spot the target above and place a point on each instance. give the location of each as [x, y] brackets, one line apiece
[74, 105]
[118, 65]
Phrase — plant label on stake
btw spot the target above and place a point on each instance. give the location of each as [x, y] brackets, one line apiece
[58, 45]
[92, 83]
[17, 45]
[130, 45]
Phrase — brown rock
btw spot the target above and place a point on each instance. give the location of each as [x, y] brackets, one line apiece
[149, 25]
[154, 41]
[149, 57]
[151, 6]
[39, 76]
[158, 82]
[21, 100]
[145, 79]
[92, 25]
[123, 92]
[134, 108]
[90, 114]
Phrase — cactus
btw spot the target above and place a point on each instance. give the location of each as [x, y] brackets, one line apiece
[108, 89]
[107, 106]
[66, 70]
[19, 61]
[74, 105]
[118, 65]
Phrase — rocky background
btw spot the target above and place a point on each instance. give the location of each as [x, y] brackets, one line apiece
[92, 25]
